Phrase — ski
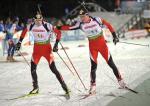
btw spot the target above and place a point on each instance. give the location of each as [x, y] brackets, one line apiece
[115, 95]
[129, 89]
[66, 96]
[86, 96]
[23, 96]
[136, 92]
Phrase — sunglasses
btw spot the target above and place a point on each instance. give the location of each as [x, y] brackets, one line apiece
[38, 19]
[81, 16]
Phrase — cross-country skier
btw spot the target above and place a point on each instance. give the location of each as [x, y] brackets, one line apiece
[42, 32]
[92, 26]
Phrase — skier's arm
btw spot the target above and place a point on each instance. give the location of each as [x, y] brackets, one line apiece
[57, 33]
[58, 36]
[109, 26]
[18, 45]
[24, 31]
[69, 27]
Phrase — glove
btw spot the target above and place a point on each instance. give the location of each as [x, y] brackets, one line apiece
[55, 48]
[115, 38]
[18, 45]
[4, 31]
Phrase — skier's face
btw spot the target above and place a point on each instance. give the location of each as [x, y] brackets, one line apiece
[38, 21]
[85, 18]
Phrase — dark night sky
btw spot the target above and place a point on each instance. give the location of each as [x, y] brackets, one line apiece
[28, 8]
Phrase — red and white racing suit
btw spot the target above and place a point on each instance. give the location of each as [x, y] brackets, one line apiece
[93, 31]
[42, 45]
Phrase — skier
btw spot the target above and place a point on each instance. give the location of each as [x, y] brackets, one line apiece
[92, 26]
[42, 32]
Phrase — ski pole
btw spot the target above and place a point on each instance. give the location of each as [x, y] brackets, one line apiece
[65, 63]
[24, 58]
[39, 9]
[73, 66]
[134, 43]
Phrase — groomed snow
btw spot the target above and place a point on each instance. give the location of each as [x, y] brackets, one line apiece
[133, 62]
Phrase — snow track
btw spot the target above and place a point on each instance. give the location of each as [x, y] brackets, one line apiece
[15, 79]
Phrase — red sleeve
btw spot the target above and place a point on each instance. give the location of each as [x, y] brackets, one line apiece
[23, 33]
[58, 33]
[109, 26]
[65, 27]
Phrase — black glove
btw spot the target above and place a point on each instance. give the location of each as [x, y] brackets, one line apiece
[18, 45]
[55, 48]
[115, 38]
[4, 31]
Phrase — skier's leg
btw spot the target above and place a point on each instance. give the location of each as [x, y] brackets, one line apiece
[107, 56]
[34, 74]
[116, 72]
[50, 59]
[93, 58]
[59, 77]
[34, 62]
[114, 68]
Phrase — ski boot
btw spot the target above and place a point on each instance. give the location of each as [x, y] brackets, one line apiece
[92, 88]
[122, 84]
[67, 94]
[67, 91]
[35, 90]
